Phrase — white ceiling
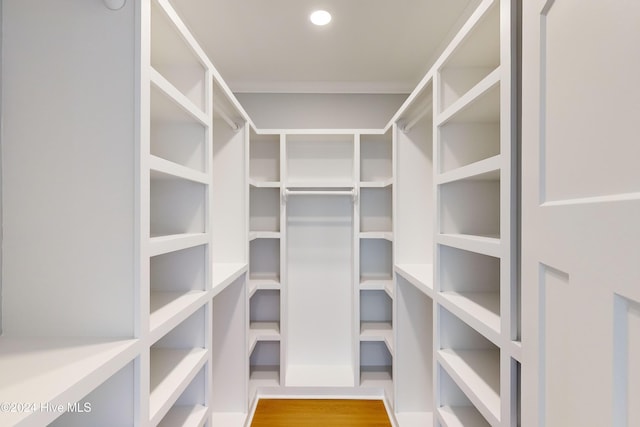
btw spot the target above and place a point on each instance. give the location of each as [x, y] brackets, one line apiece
[370, 46]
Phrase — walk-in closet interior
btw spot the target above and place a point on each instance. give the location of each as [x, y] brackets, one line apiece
[176, 247]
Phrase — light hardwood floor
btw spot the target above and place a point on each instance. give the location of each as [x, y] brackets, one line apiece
[320, 413]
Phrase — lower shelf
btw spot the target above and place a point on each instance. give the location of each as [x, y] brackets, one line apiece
[461, 416]
[58, 371]
[377, 377]
[477, 373]
[172, 370]
[185, 416]
[263, 376]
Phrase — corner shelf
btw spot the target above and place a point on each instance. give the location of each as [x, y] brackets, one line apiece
[382, 183]
[253, 235]
[377, 284]
[263, 184]
[386, 235]
[377, 331]
[263, 331]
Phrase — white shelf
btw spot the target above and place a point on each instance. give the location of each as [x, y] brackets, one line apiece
[377, 184]
[461, 416]
[377, 284]
[223, 274]
[480, 104]
[328, 183]
[172, 370]
[56, 371]
[377, 331]
[177, 97]
[414, 419]
[185, 416]
[483, 170]
[164, 244]
[486, 245]
[419, 275]
[169, 309]
[161, 168]
[263, 184]
[377, 377]
[480, 310]
[263, 331]
[263, 235]
[269, 283]
[263, 376]
[386, 235]
[477, 373]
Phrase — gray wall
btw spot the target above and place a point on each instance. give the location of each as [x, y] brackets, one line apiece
[320, 111]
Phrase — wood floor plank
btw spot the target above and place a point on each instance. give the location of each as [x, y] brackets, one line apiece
[320, 413]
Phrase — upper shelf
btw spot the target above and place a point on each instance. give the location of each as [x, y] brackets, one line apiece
[175, 58]
[376, 165]
[320, 160]
[481, 104]
[475, 56]
[264, 160]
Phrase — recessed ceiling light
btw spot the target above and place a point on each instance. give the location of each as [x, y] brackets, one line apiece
[320, 17]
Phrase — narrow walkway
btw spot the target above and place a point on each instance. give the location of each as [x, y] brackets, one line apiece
[320, 413]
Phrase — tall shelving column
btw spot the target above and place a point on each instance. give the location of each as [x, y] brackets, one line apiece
[265, 283]
[413, 249]
[375, 271]
[179, 160]
[474, 259]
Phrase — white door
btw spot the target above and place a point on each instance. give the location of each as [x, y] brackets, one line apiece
[581, 213]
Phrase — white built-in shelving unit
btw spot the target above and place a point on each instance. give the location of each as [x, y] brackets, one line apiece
[149, 318]
[454, 248]
[229, 262]
[475, 314]
[265, 278]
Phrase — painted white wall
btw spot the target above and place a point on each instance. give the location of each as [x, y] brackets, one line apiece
[320, 111]
[68, 168]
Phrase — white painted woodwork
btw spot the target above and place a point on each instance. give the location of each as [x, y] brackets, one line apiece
[231, 257]
[580, 205]
[68, 170]
[319, 347]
